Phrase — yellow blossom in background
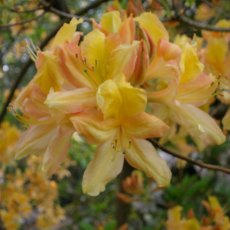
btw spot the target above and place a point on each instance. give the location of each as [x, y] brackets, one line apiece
[204, 12]
[215, 219]
[9, 136]
[28, 192]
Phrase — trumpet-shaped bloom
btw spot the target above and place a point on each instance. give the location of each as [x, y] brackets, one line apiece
[120, 131]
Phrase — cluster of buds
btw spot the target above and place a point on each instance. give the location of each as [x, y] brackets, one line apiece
[120, 84]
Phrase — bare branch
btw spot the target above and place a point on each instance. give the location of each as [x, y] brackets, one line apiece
[22, 22]
[69, 15]
[198, 163]
[200, 25]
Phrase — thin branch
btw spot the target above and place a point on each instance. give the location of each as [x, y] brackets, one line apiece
[26, 66]
[63, 13]
[22, 22]
[69, 15]
[15, 10]
[198, 163]
[177, 7]
[200, 25]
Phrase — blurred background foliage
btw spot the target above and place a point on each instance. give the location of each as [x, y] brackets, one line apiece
[30, 201]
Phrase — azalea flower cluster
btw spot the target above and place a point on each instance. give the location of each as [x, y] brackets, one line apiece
[120, 84]
[216, 218]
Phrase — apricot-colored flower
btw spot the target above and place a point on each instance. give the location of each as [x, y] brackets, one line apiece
[120, 132]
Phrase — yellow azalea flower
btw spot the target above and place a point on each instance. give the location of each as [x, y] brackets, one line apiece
[181, 92]
[98, 64]
[45, 131]
[107, 69]
[121, 136]
[48, 62]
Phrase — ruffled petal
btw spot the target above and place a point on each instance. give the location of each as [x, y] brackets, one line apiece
[199, 125]
[93, 127]
[111, 22]
[153, 26]
[142, 155]
[34, 140]
[93, 49]
[119, 99]
[122, 60]
[66, 32]
[72, 66]
[104, 167]
[72, 101]
[197, 92]
[145, 126]
[190, 65]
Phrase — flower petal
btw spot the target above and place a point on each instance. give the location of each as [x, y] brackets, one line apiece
[199, 125]
[144, 126]
[93, 49]
[111, 22]
[190, 65]
[57, 149]
[34, 140]
[142, 155]
[48, 72]
[122, 60]
[153, 26]
[120, 99]
[91, 125]
[72, 101]
[72, 66]
[104, 167]
[197, 92]
[66, 32]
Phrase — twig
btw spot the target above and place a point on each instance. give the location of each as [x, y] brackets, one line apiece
[200, 25]
[69, 15]
[198, 163]
[15, 10]
[63, 13]
[179, 16]
[22, 22]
